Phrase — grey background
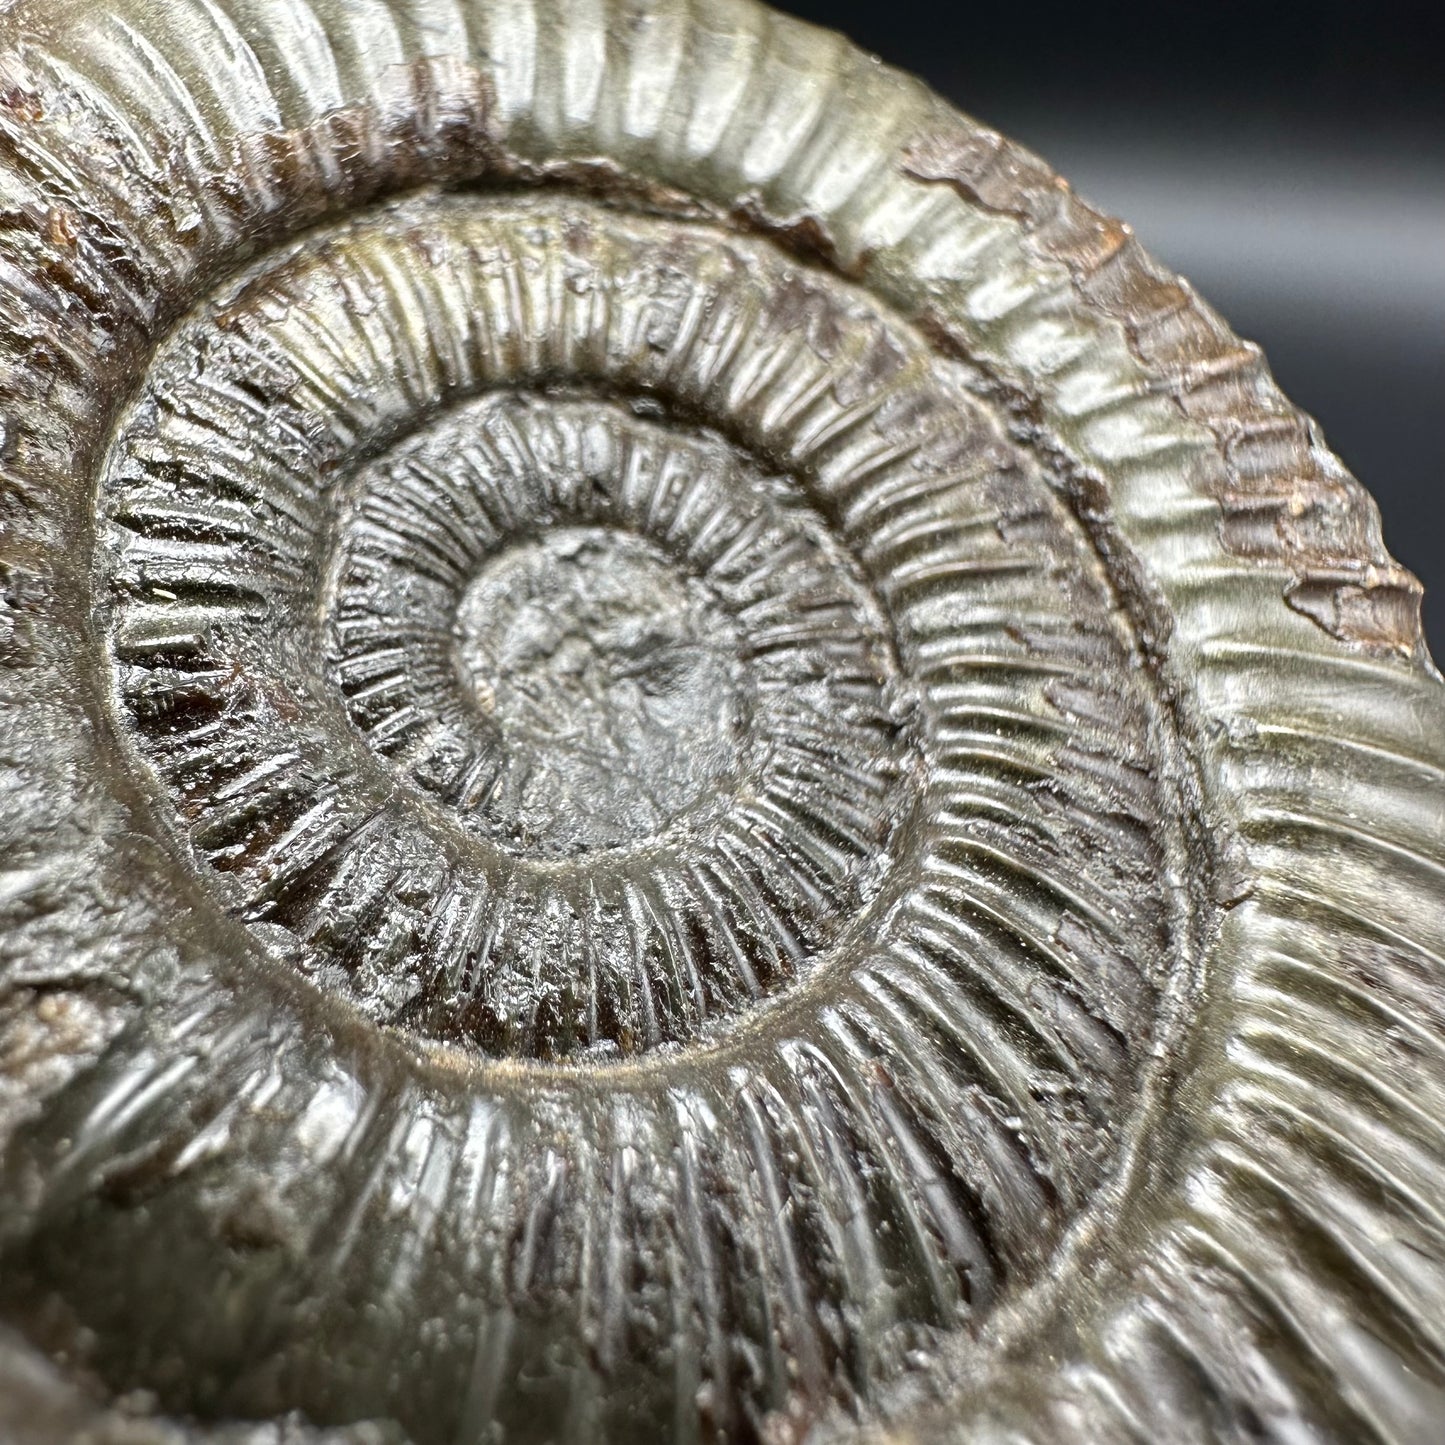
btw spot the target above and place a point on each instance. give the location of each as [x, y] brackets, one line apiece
[1288, 158]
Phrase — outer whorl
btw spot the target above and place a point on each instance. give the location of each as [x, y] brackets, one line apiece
[682, 758]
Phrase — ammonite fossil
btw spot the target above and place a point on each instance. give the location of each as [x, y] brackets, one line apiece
[683, 759]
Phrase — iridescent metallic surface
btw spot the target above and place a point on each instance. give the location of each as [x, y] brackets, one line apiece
[681, 758]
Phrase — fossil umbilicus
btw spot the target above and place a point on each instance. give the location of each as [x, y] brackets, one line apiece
[682, 758]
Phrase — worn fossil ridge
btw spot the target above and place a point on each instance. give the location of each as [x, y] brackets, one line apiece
[681, 758]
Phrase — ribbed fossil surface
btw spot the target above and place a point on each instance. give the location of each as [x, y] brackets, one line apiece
[682, 758]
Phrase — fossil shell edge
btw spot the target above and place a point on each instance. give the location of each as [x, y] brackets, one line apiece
[464, 463]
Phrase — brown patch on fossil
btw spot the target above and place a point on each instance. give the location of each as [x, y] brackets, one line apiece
[605, 180]
[804, 234]
[1285, 500]
[23, 104]
[438, 121]
[1357, 606]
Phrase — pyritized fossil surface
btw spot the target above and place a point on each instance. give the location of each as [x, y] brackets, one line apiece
[681, 758]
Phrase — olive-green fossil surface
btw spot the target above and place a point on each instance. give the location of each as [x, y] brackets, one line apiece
[682, 758]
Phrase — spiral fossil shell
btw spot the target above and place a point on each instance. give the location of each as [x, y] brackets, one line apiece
[682, 757]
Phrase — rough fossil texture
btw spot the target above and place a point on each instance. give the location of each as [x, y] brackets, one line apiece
[681, 758]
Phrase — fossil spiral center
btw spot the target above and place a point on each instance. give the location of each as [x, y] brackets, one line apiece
[596, 643]
[628, 635]
[610, 681]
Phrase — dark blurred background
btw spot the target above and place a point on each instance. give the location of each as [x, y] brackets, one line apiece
[1289, 159]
